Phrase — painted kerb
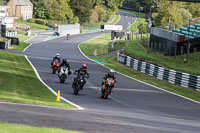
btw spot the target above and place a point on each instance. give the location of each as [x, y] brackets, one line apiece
[175, 77]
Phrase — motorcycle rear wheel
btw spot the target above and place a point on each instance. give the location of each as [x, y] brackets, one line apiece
[54, 70]
[105, 96]
[62, 81]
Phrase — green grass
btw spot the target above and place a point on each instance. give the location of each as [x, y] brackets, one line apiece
[114, 64]
[131, 47]
[192, 67]
[19, 128]
[18, 83]
[140, 20]
[100, 44]
[23, 44]
[33, 25]
[116, 19]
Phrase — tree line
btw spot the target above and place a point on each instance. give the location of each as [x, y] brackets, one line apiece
[73, 11]
[167, 12]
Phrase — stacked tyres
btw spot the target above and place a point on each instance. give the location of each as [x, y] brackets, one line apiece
[174, 77]
[3, 30]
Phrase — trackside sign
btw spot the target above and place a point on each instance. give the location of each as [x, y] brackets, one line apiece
[113, 27]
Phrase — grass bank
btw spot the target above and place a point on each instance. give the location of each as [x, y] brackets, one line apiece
[192, 67]
[19, 128]
[97, 46]
[18, 83]
[33, 25]
[131, 47]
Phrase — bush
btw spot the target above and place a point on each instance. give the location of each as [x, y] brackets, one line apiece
[40, 21]
[31, 20]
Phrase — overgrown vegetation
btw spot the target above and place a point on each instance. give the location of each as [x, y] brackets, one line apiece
[73, 11]
[167, 12]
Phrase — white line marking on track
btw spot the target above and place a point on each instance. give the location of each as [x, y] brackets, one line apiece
[55, 93]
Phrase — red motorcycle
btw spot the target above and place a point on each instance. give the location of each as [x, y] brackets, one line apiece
[107, 87]
[55, 66]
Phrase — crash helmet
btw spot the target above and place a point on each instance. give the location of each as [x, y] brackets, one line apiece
[64, 60]
[57, 55]
[84, 66]
[111, 73]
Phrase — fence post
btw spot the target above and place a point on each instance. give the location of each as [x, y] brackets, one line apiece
[159, 47]
[182, 52]
[195, 54]
[169, 51]
[175, 51]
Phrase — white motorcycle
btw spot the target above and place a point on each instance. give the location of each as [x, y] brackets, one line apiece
[63, 74]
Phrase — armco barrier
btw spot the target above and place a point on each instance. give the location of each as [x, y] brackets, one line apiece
[175, 77]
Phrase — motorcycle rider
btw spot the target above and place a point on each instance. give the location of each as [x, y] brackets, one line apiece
[64, 63]
[109, 75]
[57, 57]
[82, 71]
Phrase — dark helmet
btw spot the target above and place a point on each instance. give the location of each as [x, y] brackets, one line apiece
[84, 66]
[64, 60]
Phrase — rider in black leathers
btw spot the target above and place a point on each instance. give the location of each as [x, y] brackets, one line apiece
[81, 71]
[64, 63]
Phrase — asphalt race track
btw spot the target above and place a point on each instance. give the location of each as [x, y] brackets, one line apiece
[134, 107]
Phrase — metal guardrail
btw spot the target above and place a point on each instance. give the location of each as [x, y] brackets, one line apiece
[175, 77]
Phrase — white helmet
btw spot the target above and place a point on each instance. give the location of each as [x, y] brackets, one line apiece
[57, 54]
[112, 71]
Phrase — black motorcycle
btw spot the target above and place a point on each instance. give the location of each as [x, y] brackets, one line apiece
[79, 82]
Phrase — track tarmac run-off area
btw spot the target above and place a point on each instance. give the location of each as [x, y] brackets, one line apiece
[134, 107]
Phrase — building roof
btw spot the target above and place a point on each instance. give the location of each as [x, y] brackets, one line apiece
[25, 2]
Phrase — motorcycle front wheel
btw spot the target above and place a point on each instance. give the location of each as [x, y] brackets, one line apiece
[76, 91]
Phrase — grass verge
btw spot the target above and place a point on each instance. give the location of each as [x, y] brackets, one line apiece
[116, 19]
[19, 128]
[112, 62]
[33, 25]
[23, 44]
[97, 46]
[18, 83]
[192, 67]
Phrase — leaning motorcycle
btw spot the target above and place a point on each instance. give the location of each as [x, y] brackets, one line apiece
[55, 66]
[107, 87]
[78, 83]
[63, 74]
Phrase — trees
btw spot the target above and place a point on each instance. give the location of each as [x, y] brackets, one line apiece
[74, 10]
[82, 9]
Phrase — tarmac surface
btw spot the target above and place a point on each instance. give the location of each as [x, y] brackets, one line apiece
[134, 107]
